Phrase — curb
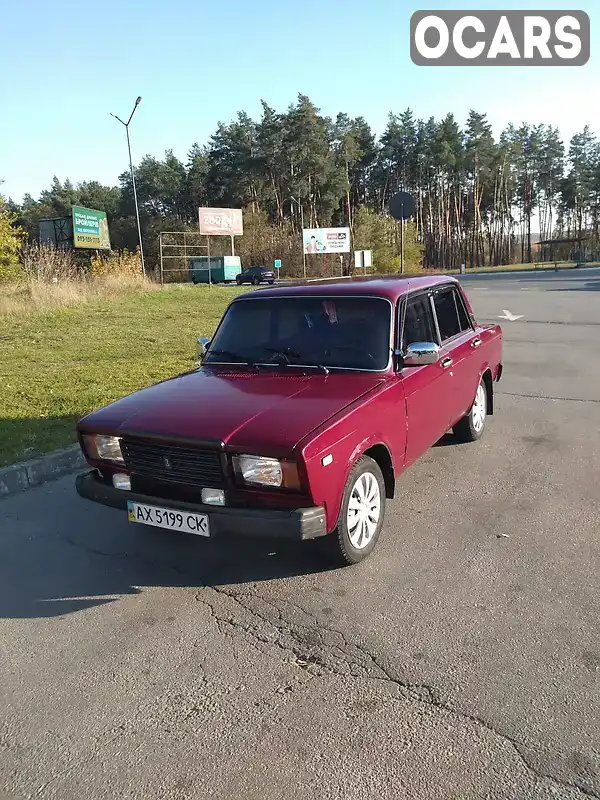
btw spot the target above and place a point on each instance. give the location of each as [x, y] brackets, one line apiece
[27, 474]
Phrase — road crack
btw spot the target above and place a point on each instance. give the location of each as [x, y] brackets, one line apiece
[548, 397]
[321, 650]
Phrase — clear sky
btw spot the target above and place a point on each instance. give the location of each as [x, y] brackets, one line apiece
[197, 62]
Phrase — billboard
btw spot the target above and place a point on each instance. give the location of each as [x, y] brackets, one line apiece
[221, 221]
[90, 229]
[326, 240]
[57, 232]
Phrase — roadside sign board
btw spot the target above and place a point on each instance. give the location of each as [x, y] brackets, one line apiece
[221, 221]
[402, 206]
[90, 229]
[326, 240]
[363, 259]
[277, 263]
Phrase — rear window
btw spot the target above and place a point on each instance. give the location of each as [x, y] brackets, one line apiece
[450, 312]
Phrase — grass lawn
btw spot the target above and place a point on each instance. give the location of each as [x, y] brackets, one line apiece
[57, 366]
[60, 363]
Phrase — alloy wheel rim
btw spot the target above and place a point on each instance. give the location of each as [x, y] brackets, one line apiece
[479, 410]
[364, 510]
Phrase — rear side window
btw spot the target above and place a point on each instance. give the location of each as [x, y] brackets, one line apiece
[450, 312]
[419, 325]
[463, 317]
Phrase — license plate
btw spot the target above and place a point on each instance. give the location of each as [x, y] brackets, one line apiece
[168, 518]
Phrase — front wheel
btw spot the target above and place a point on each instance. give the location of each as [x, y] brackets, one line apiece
[361, 515]
[471, 427]
[255, 281]
[238, 281]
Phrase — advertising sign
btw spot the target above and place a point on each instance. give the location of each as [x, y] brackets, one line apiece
[326, 240]
[363, 259]
[90, 229]
[221, 221]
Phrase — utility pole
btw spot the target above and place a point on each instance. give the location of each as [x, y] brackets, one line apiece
[302, 236]
[402, 244]
[135, 200]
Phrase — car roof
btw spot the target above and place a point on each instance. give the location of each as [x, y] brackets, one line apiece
[391, 287]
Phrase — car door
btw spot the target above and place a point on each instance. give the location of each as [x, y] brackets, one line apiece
[459, 342]
[427, 387]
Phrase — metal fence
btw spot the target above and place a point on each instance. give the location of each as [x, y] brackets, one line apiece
[176, 248]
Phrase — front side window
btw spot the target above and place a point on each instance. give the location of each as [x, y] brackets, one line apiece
[337, 332]
[419, 325]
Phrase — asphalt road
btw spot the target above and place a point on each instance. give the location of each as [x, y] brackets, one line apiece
[462, 660]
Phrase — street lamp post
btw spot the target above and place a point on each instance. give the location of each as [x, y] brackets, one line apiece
[135, 200]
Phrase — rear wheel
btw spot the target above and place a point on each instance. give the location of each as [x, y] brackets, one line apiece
[361, 514]
[471, 427]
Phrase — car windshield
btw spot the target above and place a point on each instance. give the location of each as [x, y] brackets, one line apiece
[337, 332]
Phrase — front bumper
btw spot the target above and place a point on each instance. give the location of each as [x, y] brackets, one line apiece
[296, 524]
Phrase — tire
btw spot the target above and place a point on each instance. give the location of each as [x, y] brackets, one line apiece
[255, 281]
[238, 281]
[270, 283]
[472, 426]
[351, 543]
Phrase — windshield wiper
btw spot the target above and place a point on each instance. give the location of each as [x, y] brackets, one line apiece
[322, 367]
[231, 354]
[286, 352]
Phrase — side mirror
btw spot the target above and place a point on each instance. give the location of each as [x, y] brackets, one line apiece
[203, 344]
[420, 353]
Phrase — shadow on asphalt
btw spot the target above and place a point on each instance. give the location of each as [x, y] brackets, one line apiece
[60, 554]
[448, 440]
[66, 554]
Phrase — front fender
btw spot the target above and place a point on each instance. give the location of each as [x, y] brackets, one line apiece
[331, 455]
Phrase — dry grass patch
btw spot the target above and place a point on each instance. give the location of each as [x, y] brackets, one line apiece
[36, 296]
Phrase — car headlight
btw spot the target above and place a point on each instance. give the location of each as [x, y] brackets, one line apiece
[104, 448]
[261, 471]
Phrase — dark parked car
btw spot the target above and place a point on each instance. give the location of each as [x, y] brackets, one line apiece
[256, 275]
[310, 403]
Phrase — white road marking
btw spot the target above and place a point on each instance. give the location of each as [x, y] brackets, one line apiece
[510, 317]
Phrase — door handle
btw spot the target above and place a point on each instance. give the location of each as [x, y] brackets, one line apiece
[476, 342]
[447, 362]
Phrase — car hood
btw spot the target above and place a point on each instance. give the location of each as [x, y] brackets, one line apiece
[266, 411]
